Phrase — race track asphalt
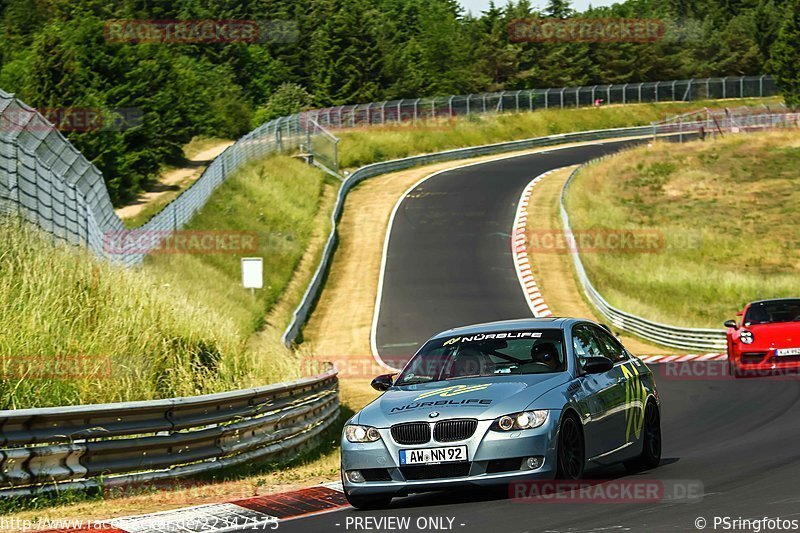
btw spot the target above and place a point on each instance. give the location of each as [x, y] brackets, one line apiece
[449, 264]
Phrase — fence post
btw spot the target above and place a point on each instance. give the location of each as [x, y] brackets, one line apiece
[562, 96]
[673, 89]
[546, 98]
[484, 102]
[530, 99]
[640, 92]
[724, 87]
[761, 86]
[450, 106]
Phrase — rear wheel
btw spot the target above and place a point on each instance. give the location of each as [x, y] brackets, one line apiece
[651, 441]
[570, 449]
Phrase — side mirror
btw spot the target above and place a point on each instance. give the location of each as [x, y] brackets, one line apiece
[597, 365]
[731, 324]
[382, 383]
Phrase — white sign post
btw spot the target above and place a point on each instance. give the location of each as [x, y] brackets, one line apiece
[252, 274]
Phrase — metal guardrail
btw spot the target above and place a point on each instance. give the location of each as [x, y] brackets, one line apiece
[667, 335]
[663, 334]
[301, 314]
[110, 445]
[620, 319]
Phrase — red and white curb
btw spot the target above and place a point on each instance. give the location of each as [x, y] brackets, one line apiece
[519, 251]
[530, 288]
[259, 512]
[688, 358]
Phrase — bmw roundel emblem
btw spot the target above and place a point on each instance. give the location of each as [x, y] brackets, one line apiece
[434, 414]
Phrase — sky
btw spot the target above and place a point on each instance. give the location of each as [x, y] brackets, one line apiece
[476, 6]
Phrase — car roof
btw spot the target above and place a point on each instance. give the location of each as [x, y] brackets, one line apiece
[511, 325]
[773, 300]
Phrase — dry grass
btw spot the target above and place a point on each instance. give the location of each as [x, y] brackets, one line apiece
[727, 213]
[554, 272]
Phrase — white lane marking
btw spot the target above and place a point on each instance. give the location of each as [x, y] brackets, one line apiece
[379, 295]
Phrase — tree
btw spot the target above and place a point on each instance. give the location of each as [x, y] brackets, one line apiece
[289, 99]
[785, 60]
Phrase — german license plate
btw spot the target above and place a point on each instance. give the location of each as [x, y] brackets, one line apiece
[449, 454]
[787, 351]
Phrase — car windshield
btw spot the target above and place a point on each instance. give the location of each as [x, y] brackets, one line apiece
[773, 311]
[486, 354]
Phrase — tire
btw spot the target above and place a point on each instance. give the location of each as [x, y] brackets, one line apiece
[570, 454]
[369, 502]
[651, 445]
[733, 371]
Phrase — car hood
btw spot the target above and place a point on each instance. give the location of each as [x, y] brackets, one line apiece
[769, 336]
[481, 398]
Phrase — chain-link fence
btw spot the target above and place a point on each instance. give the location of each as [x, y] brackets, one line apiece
[445, 107]
[45, 180]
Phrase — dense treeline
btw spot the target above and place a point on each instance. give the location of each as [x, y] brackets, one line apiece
[54, 54]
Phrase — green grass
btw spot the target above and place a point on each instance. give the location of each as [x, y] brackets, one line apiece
[77, 330]
[275, 200]
[727, 213]
[368, 145]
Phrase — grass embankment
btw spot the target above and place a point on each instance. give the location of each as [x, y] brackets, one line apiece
[363, 146]
[77, 330]
[726, 210]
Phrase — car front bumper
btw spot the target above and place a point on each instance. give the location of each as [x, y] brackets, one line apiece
[492, 460]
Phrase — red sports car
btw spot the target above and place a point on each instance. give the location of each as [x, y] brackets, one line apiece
[768, 339]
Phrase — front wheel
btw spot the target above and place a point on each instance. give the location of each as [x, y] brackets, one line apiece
[368, 501]
[651, 437]
[570, 449]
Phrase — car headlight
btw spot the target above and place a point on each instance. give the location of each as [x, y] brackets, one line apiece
[746, 336]
[523, 420]
[361, 434]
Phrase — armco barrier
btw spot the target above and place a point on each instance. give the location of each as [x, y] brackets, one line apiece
[312, 292]
[109, 445]
[677, 337]
[696, 339]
